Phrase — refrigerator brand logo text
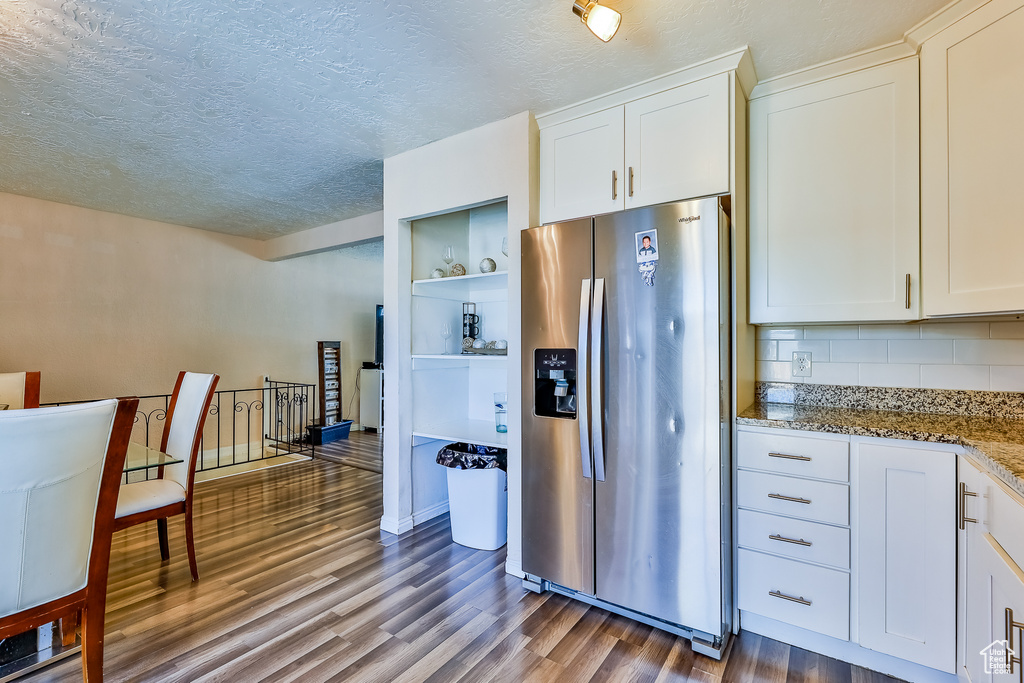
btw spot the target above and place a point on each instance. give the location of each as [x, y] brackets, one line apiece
[689, 219]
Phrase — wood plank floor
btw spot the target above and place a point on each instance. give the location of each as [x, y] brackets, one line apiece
[299, 584]
[361, 449]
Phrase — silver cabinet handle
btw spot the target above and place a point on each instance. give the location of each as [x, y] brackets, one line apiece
[964, 495]
[615, 185]
[583, 345]
[1012, 626]
[597, 351]
[794, 541]
[630, 181]
[779, 496]
[908, 291]
[789, 457]
[801, 600]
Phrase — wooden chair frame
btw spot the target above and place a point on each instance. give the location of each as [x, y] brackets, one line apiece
[184, 507]
[32, 389]
[90, 601]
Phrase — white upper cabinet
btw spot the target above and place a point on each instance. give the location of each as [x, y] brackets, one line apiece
[834, 210]
[972, 159]
[668, 146]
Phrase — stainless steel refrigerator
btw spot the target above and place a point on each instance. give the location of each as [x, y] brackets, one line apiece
[626, 328]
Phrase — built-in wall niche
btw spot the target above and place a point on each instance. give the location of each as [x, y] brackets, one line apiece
[455, 401]
[474, 234]
[429, 315]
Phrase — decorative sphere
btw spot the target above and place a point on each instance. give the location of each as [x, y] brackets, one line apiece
[458, 269]
[467, 342]
[436, 273]
[487, 265]
[479, 344]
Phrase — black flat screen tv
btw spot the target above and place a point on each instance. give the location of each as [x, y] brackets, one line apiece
[378, 347]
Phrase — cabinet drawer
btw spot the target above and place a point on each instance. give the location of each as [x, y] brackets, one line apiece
[827, 591]
[794, 538]
[806, 456]
[819, 501]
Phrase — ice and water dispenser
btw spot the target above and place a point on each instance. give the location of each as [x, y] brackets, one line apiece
[554, 383]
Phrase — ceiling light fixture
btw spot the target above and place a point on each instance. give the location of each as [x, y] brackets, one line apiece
[602, 21]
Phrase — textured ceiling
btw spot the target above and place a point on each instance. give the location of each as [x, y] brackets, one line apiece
[264, 118]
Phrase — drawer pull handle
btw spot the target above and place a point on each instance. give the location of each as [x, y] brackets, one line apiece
[794, 541]
[964, 495]
[1011, 626]
[789, 457]
[791, 499]
[777, 594]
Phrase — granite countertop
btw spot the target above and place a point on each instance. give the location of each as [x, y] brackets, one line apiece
[994, 438]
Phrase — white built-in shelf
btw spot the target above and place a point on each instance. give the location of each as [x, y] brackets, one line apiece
[454, 357]
[480, 432]
[458, 288]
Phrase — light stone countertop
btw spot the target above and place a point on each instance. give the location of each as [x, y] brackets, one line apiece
[995, 442]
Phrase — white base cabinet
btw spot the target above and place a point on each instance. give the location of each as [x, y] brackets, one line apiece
[906, 529]
[847, 546]
[992, 587]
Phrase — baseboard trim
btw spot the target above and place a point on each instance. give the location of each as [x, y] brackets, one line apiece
[515, 569]
[844, 650]
[396, 526]
[429, 513]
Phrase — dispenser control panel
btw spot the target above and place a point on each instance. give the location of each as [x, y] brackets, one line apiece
[554, 385]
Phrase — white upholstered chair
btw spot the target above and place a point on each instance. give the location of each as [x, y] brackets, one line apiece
[19, 390]
[60, 469]
[171, 493]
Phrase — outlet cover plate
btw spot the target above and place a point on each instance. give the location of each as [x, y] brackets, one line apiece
[801, 363]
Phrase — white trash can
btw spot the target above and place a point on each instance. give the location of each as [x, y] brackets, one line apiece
[477, 494]
[478, 506]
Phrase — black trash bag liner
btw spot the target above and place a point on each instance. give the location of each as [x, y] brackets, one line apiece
[470, 456]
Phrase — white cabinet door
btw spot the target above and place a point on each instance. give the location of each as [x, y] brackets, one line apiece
[996, 585]
[834, 211]
[677, 143]
[581, 167]
[972, 163]
[907, 553]
[971, 497]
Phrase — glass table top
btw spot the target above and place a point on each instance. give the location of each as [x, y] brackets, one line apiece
[141, 457]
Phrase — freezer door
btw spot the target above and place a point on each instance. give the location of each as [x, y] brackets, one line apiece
[657, 512]
[558, 493]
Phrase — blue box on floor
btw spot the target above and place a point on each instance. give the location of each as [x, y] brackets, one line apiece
[320, 435]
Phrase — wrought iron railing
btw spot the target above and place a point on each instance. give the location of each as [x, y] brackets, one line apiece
[243, 425]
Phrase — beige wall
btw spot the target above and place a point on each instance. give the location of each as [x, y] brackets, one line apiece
[109, 305]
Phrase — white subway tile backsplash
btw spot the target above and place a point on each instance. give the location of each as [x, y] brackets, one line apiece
[769, 371]
[955, 377]
[819, 350]
[942, 355]
[1006, 377]
[960, 330]
[906, 375]
[833, 373]
[1007, 330]
[988, 351]
[767, 349]
[890, 331]
[935, 351]
[780, 333]
[831, 332]
[859, 351]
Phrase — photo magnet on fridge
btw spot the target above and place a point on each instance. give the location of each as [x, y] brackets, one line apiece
[647, 254]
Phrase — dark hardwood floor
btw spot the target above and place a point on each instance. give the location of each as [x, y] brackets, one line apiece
[298, 584]
[361, 449]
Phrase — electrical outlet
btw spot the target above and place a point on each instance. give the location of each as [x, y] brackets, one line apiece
[801, 363]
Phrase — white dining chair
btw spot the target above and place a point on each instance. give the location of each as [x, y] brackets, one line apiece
[171, 492]
[19, 390]
[60, 469]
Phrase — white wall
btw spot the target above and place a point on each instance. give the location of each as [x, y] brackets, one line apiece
[108, 305]
[488, 163]
[934, 355]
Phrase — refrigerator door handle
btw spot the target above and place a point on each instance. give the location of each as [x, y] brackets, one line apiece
[581, 378]
[597, 351]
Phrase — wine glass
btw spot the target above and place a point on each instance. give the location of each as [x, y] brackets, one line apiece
[446, 334]
[504, 246]
[448, 255]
